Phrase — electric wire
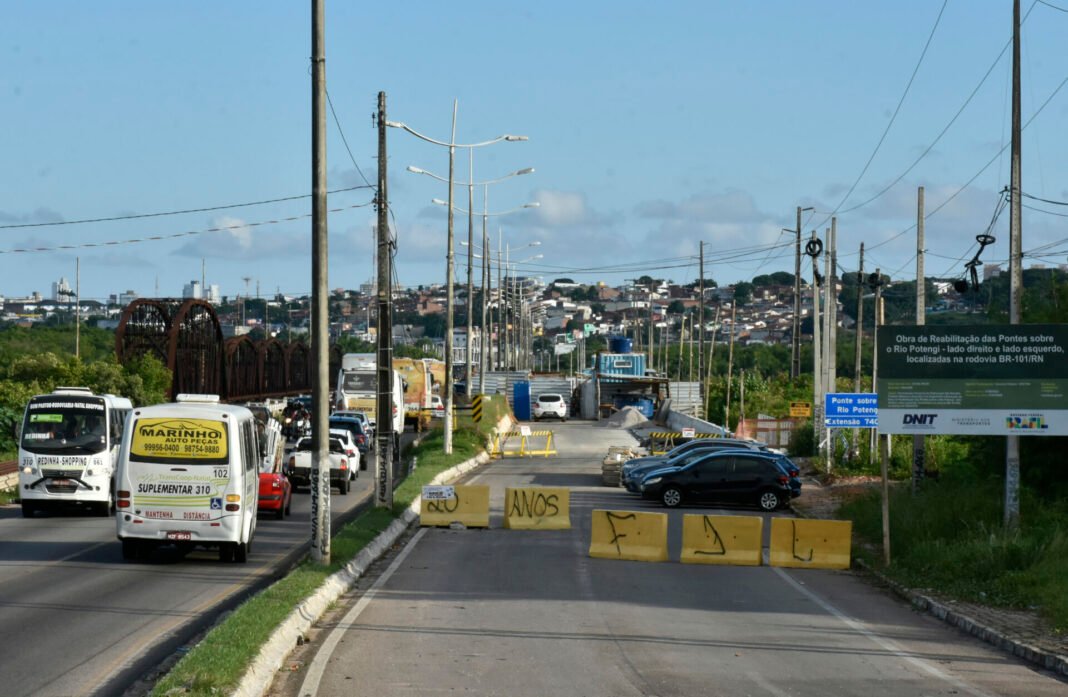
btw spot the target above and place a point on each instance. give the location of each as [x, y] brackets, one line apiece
[187, 233]
[337, 122]
[179, 212]
[893, 118]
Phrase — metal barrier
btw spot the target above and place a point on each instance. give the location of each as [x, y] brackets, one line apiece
[662, 441]
[500, 441]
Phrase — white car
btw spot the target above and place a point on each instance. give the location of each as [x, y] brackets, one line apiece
[551, 404]
[437, 407]
[348, 443]
[298, 467]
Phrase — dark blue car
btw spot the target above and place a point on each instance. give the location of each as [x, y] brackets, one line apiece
[730, 476]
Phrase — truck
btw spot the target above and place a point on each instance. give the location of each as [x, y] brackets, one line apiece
[357, 390]
[417, 391]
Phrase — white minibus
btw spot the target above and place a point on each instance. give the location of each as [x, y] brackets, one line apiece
[68, 447]
[188, 475]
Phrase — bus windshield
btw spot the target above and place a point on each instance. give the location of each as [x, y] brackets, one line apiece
[64, 425]
[359, 382]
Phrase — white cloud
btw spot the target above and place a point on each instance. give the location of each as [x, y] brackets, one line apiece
[561, 208]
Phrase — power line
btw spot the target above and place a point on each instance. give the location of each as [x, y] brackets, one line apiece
[337, 122]
[187, 233]
[167, 213]
[893, 118]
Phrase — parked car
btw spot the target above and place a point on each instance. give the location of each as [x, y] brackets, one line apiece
[437, 407]
[631, 478]
[550, 405]
[729, 476]
[276, 491]
[298, 467]
[698, 444]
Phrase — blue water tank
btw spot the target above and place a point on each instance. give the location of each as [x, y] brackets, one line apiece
[620, 344]
[521, 400]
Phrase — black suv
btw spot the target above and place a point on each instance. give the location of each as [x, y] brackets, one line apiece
[728, 476]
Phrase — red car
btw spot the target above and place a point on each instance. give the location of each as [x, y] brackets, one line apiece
[276, 492]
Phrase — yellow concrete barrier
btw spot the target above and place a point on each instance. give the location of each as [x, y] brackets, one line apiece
[527, 444]
[722, 539]
[470, 507]
[537, 508]
[661, 442]
[629, 535]
[810, 544]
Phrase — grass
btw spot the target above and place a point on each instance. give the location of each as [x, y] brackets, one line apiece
[950, 537]
[215, 665]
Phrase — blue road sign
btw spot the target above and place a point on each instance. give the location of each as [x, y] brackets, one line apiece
[851, 410]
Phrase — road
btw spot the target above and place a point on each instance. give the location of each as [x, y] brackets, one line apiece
[77, 620]
[508, 612]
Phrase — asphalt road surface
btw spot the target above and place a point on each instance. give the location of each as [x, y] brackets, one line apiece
[517, 613]
[75, 619]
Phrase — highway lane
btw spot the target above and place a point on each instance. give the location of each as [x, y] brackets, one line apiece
[75, 619]
[506, 612]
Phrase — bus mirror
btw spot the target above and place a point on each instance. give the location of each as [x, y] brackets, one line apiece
[18, 429]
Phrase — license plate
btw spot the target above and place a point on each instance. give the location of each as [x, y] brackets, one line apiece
[61, 482]
[176, 535]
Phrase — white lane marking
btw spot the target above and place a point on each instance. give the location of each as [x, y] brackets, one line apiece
[887, 644]
[310, 686]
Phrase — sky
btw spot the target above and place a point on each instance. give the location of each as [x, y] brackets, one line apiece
[652, 127]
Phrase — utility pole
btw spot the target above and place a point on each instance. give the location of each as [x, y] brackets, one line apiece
[877, 286]
[859, 340]
[1012, 443]
[320, 484]
[817, 365]
[795, 339]
[449, 299]
[730, 369]
[702, 413]
[469, 305]
[483, 339]
[384, 450]
[918, 454]
[77, 307]
[831, 333]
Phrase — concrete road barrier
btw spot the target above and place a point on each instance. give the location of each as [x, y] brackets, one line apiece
[537, 508]
[470, 507]
[629, 535]
[810, 544]
[722, 539]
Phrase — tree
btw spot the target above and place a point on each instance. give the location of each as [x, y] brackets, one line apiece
[676, 308]
[743, 292]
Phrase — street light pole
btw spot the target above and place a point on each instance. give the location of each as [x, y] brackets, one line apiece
[448, 294]
[469, 305]
[452, 145]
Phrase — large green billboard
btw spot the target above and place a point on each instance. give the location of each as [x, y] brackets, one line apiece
[974, 379]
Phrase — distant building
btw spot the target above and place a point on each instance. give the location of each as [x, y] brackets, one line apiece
[61, 291]
[192, 290]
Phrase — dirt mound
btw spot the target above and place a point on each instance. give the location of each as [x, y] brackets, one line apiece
[627, 417]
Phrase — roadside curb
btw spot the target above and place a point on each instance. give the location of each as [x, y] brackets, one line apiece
[261, 673]
[1046, 659]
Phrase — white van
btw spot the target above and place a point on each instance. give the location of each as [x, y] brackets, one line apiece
[188, 475]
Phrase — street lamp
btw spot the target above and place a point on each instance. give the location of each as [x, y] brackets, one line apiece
[470, 262]
[487, 277]
[451, 145]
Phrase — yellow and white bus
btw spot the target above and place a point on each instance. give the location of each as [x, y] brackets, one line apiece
[188, 475]
[68, 447]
